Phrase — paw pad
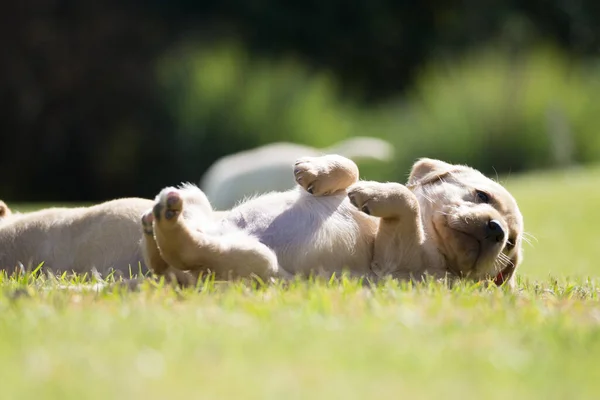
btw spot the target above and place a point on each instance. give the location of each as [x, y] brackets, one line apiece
[147, 220]
[170, 214]
[364, 207]
[173, 199]
[169, 205]
[156, 210]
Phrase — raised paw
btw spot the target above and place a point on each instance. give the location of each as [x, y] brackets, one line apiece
[385, 200]
[168, 206]
[306, 173]
[325, 175]
[361, 196]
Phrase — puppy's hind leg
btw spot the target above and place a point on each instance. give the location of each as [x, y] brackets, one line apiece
[229, 253]
[325, 175]
[153, 259]
[198, 210]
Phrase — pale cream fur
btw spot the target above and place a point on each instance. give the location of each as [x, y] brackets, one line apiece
[439, 224]
[104, 237]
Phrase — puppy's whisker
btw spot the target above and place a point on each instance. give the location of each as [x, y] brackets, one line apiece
[504, 259]
[497, 265]
[497, 178]
[500, 264]
[530, 236]
[527, 238]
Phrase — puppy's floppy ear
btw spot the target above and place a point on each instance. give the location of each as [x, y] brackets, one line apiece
[4, 210]
[507, 275]
[427, 168]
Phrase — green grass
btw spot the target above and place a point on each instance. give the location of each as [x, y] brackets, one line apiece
[561, 209]
[328, 340]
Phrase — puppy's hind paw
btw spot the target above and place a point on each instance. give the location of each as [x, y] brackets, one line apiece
[325, 175]
[168, 206]
[147, 219]
[306, 173]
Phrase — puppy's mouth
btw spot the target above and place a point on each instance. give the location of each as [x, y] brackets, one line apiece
[452, 263]
[464, 252]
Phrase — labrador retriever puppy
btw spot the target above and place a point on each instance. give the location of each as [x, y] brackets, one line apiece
[448, 221]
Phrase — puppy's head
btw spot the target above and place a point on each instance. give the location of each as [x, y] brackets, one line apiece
[4, 210]
[473, 221]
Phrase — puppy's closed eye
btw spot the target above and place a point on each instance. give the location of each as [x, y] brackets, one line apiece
[482, 196]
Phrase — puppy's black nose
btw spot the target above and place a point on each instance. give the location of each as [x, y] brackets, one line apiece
[494, 231]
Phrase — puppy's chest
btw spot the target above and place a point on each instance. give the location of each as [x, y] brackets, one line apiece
[310, 237]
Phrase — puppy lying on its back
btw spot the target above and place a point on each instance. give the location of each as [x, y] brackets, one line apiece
[448, 221]
[106, 237]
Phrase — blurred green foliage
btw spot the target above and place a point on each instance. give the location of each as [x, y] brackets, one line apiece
[223, 98]
[86, 117]
[504, 111]
[495, 109]
[223, 101]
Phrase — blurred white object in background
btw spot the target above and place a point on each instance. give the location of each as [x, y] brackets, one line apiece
[270, 168]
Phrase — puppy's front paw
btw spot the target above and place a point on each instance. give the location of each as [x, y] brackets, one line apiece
[385, 200]
[168, 205]
[362, 195]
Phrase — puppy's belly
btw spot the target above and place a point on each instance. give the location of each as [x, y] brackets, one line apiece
[307, 233]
